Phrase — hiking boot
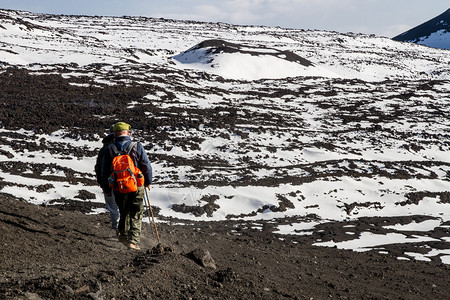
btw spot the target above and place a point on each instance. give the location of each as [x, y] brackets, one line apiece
[132, 246]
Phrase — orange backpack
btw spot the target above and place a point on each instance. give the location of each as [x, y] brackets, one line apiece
[125, 177]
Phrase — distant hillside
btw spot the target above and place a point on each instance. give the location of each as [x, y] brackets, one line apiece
[249, 62]
[433, 33]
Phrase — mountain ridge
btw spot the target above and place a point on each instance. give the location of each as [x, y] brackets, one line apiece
[433, 33]
[378, 58]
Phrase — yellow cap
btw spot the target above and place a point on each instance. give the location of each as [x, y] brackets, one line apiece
[119, 126]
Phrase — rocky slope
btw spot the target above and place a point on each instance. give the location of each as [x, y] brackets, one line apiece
[48, 253]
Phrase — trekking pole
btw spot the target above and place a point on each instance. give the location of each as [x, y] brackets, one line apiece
[148, 209]
[151, 211]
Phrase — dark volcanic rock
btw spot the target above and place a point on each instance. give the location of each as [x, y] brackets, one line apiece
[48, 253]
[203, 258]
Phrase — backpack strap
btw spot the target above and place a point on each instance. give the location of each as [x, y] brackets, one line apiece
[131, 147]
[130, 150]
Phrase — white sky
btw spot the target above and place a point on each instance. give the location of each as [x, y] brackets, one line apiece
[381, 17]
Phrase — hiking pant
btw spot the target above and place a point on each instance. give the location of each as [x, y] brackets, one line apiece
[113, 210]
[131, 208]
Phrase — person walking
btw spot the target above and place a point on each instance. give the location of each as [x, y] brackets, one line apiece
[110, 202]
[130, 204]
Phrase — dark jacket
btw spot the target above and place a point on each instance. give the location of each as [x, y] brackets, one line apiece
[99, 163]
[140, 160]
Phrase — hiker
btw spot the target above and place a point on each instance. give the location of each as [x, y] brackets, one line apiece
[111, 205]
[130, 204]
